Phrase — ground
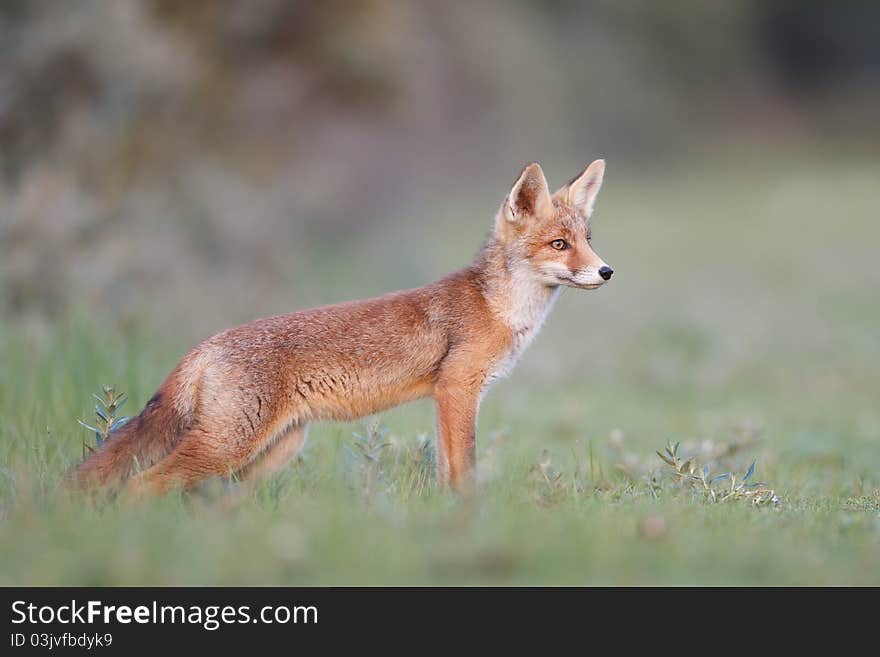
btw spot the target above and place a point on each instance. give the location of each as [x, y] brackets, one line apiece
[742, 321]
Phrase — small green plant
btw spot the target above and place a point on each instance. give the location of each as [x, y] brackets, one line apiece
[722, 487]
[367, 449]
[416, 464]
[106, 418]
[554, 484]
[550, 478]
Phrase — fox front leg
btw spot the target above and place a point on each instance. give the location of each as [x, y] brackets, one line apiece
[457, 395]
[456, 438]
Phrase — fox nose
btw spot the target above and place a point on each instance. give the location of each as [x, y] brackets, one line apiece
[606, 272]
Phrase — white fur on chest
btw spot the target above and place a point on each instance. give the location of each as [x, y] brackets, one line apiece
[530, 303]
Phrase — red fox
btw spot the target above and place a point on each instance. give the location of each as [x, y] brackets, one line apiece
[240, 402]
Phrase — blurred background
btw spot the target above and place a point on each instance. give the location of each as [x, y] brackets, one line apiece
[232, 159]
[170, 169]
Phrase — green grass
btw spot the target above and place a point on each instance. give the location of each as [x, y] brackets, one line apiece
[744, 308]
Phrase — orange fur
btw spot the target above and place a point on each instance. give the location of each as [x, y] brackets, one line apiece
[241, 400]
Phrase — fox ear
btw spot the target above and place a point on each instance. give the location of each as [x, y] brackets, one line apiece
[529, 196]
[582, 191]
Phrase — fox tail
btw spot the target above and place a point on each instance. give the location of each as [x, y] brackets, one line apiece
[144, 439]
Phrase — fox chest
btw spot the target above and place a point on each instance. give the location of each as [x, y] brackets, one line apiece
[525, 323]
[504, 362]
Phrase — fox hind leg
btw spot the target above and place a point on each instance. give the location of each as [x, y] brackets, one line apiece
[194, 459]
[277, 455]
[200, 455]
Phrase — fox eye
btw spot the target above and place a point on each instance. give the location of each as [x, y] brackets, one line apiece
[559, 245]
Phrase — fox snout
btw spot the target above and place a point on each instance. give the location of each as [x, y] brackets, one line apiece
[588, 278]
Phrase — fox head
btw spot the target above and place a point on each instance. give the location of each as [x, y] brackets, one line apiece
[551, 233]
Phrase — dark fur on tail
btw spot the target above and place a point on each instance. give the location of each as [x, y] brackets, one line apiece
[137, 444]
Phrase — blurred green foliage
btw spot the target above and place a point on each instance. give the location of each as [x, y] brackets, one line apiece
[163, 156]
